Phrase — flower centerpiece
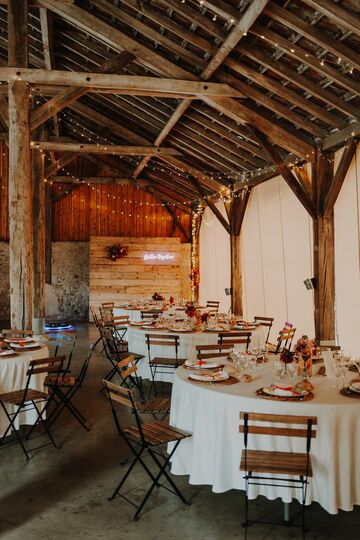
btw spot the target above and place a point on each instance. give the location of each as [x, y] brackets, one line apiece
[117, 251]
[204, 317]
[157, 297]
[287, 356]
[190, 311]
[303, 349]
[171, 300]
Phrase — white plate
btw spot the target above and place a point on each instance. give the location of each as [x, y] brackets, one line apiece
[181, 330]
[33, 345]
[204, 365]
[355, 386]
[17, 340]
[137, 323]
[7, 354]
[206, 377]
[271, 391]
[216, 329]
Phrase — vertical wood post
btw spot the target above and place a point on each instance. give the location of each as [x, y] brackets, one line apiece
[20, 192]
[48, 232]
[324, 260]
[196, 218]
[20, 207]
[38, 241]
[236, 275]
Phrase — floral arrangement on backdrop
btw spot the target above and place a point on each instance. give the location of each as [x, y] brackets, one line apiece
[116, 251]
[157, 297]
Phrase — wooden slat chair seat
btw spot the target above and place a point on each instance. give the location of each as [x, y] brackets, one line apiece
[287, 469]
[238, 338]
[162, 364]
[61, 380]
[265, 321]
[144, 437]
[284, 341]
[28, 398]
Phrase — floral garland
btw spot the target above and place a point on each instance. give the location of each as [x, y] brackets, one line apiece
[116, 252]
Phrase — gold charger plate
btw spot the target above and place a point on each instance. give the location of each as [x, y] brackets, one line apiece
[307, 397]
[197, 369]
[226, 382]
[349, 393]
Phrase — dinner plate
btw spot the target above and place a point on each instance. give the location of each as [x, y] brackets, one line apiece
[184, 330]
[202, 365]
[8, 354]
[207, 377]
[273, 391]
[137, 323]
[355, 386]
[217, 329]
[28, 346]
[18, 340]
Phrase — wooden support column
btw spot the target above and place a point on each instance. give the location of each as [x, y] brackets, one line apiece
[38, 242]
[196, 219]
[48, 232]
[20, 207]
[324, 261]
[20, 187]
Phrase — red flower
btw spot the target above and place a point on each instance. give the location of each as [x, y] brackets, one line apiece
[171, 300]
[204, 317]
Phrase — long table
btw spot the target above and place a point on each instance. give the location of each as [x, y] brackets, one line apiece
[188, 340]
[212, 455]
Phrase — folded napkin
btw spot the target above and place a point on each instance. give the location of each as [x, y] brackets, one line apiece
[283, 390]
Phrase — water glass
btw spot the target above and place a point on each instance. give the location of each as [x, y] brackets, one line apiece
[279, 368]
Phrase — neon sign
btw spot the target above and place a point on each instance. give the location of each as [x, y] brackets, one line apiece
[158, 257]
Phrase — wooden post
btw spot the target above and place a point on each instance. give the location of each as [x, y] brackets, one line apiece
[236, 275]
[48, 232]
[196, 218]
[20, 207]
[38, 241]
[324, 261]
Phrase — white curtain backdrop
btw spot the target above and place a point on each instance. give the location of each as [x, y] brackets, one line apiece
[276, 254]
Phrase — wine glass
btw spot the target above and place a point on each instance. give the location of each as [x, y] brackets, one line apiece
[291, 370]
[279, 368]
[337, 371]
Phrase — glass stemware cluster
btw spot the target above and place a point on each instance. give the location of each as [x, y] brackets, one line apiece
[340, 365]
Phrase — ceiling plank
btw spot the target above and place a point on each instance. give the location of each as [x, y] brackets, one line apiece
[277, 134]
[339, 177]
[85, 148]
[285, 172]
[335, 12]
[338, 138]
[312, 33]
[71, 94]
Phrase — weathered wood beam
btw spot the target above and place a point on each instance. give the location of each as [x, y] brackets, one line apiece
[90, 180]
[127, 83]
[338, 138]
[285, 172]
[69, 95]
[60, 163]
[48, 233]
[172, 213]
[39, 225]
[18, 48]
[277, 134]
[103, 148]
[339, 177]
[199, 188]
[4, 111]
[312, 33]
[335, 12]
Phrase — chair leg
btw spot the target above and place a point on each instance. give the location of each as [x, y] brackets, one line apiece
[12, 425]
[43, 422]
[122, 481]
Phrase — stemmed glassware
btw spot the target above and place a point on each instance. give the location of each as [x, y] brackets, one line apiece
[279, 368]
[337, 369]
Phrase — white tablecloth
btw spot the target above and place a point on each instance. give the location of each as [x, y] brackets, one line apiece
[133, 314]
[212, 455]
[188, 341]
[13, 377]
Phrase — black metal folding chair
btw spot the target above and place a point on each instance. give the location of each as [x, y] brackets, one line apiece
[160, 364]
[265, 321]
[63, 390]
[275, 468]
[27, 399]
[144, 438]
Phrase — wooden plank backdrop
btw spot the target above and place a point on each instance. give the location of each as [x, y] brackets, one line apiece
[132, 276]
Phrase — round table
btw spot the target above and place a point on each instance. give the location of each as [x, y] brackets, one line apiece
[188, 340]
[13, 377]
[212, 455]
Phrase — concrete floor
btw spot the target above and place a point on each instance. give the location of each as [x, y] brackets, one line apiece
[62, 494]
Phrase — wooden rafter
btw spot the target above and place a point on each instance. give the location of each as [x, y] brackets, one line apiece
[60, 163]
[335, 12]
[338, 138]
[84, 148]
[211, 205]
[286, 173]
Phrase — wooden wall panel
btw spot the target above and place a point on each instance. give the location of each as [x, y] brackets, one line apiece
[131, 276]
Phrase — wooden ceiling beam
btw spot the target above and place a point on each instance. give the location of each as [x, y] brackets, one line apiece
[277, 134]
[73, 93]
[126, 83]
[339, 138]
[335, 12]
[60, 163]
[211, 205]
[4, 111]
[292, 97]
[84, 148]
[319, 37]
[300, 80]
[339, 177]
[345, 80]
[300, 192]
[204, 178]
[90, 180]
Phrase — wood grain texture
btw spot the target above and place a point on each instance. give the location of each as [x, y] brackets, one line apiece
[131, 276]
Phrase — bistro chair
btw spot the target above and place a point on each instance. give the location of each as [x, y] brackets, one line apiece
[107, 313]
[120, 325]
[143, 438]
[97, 323]
[265, 321]
[213, 305]
[13, 332]
[63, 390]
[162, 364]
[64, 343]
[209, 352]
[29, 399]
[150, 315]
[235, 338]
[284, 341]
[273, 468]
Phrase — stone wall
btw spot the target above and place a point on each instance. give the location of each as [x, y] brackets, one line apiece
[4, 282]
[68, 294]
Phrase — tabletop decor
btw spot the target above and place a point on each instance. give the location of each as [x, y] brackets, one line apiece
[116, 251]
[191, 310]
[306, 397]
[304, 348]
[157, 297]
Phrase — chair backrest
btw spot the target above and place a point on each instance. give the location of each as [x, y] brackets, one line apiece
[124, 396]
[13, 332]
[296, 426]
[120, 320]
[265, 321]
[213, 305]
[65, 343]
[235, 338]
[106, 314]
[206, 352]
[52, 364]
[286, 336]
[85, 365]
[107, 304]
[166, 340]
[150, 315]
[94, 317]
[126, 367]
